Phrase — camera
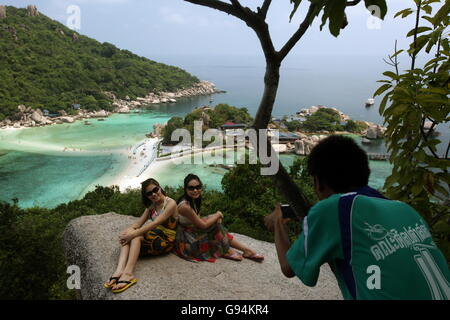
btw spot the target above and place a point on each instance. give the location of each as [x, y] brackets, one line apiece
[288, 212]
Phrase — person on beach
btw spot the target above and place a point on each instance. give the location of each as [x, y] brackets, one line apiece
[377, 248]
[205, 239]
[145, 239]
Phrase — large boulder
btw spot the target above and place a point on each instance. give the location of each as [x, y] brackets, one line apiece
[299, 147]
[37, 117]
[91, 242]
[372, 133]
[32, 11]
[67, 119]
[21, 108]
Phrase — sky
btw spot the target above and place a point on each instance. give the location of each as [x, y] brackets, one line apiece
[175, 27]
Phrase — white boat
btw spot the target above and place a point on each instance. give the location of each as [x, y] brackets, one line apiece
[370, 102]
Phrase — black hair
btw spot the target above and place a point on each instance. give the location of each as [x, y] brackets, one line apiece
[340, 163]
[193, 203]
[145, 200]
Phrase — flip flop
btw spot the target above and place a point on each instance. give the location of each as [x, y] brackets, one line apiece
[111, 285]
[129, 284]
[255, 257]
[234, 256]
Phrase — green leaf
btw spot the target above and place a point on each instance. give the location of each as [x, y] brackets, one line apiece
[391, 74]
[336, 16]
[404, 13]
[397, 53]
[419, 30]
[434, 60]
[383, 104]
[296, 5]
[420, 42]
[427, 8]
[442, 14]
[382, 89]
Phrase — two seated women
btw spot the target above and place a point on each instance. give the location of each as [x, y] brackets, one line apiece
[177, 227]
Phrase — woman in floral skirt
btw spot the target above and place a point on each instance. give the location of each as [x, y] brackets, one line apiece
[205, 239]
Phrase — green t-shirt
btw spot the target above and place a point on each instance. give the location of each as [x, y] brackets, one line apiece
[377, 249]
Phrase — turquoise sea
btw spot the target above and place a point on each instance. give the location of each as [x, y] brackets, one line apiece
[35, 169]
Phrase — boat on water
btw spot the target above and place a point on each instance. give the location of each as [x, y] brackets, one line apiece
[370, 102]
[87, 123]
[101, 119]
[365, 141]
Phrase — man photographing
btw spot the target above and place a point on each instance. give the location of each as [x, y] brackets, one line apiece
[377, 248]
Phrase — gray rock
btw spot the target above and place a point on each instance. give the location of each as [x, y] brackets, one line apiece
[2, 12]
[21, 108]
[37, 117]
[91, 243]
[67, 119]
[371, 133]
[299, 147]
[32, 11]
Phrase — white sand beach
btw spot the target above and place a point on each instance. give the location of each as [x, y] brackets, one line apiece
[141, 159]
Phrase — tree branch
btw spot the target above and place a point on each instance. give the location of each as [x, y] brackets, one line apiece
[221, 6]
[352, 3]
[299, 33]
[264, 8]
[448, 149]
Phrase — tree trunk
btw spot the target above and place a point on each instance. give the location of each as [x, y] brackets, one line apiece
[282, 180]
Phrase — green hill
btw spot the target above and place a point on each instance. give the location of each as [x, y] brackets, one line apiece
[46, 65]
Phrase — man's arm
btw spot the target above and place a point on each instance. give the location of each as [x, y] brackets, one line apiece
[275, 222]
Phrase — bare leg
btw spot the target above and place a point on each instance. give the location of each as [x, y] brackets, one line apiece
[240, 246]
[123, 257]
[133, 255]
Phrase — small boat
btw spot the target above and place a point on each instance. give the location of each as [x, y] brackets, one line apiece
[101, 119]
[87, 123]
[365, 141]
[370, 102]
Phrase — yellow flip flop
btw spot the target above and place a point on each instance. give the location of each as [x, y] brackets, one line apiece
[129, 284]
[111, 285]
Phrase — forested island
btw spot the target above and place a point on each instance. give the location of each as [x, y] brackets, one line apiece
[45, 65]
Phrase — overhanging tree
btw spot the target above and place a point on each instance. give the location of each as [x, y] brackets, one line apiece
[332, 11]
[412, 99]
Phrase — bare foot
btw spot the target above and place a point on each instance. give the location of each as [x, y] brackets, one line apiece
[233, 255]
[123, 277]
[252, 255]
[113, 281]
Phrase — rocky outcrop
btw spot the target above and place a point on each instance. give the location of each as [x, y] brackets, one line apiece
[201, 88]
[26, 117]
[374, 131]
[90, 242]
[2, 12]
[305, 144]
[32, 11]
[67, 119]
[29, 117]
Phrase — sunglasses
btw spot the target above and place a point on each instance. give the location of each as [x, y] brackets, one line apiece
[149, 193]
[197, 187]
